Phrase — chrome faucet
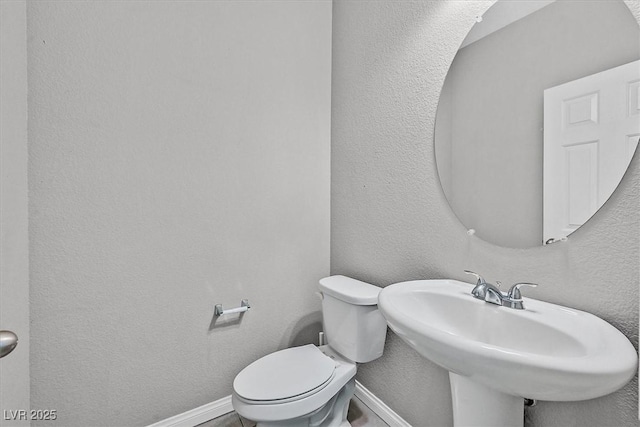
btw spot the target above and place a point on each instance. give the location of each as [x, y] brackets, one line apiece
[492, 294]
[484, 290]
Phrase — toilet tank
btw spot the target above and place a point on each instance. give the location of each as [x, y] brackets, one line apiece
[353, 325]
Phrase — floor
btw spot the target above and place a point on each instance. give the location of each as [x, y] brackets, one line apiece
[359, 416]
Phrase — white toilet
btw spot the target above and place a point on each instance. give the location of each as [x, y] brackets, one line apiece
[309, 385]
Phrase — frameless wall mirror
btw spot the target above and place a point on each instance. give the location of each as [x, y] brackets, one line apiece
[539, 117]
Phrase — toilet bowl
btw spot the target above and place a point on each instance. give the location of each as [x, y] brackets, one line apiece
[310, 385]
[283, 396]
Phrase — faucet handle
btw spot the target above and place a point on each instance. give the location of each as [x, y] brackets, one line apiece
[514, 291]
[479, 277]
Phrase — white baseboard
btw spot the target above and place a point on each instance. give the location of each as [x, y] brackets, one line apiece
[379, 408]
[223, 406]
[198, 415]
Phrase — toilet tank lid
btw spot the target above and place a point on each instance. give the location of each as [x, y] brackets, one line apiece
[350, 290]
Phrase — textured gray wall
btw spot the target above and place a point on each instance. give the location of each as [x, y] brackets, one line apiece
[501, 146]
[391, 221]
[179, 158]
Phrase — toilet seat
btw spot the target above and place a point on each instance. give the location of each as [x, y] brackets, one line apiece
[285, 376]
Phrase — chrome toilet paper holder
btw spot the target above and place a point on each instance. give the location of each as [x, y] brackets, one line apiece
[244, 306]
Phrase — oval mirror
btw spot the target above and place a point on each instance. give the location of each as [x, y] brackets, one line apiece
[539, 117]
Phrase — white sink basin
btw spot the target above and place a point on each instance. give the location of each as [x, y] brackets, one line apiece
[545, 351]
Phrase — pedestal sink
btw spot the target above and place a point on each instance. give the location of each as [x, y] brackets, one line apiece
[496, 356]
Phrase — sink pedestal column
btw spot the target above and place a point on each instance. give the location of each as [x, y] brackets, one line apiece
[475, 404]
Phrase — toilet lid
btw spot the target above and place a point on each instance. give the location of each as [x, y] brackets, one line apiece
[284, 374]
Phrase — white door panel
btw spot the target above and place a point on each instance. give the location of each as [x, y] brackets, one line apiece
[591, 130]
[14, 258]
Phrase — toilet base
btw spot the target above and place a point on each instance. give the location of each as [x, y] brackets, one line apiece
[331, 414]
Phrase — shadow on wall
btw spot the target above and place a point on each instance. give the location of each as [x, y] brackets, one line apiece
[305, 331]
[223, 322]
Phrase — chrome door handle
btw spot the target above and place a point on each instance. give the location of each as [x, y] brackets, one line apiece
[8, 341]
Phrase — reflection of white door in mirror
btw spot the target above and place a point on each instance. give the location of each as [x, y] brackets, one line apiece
[489, 126]
[591, 130]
